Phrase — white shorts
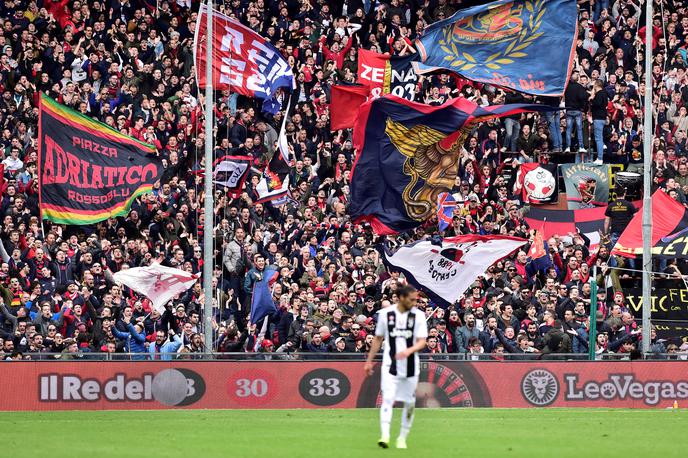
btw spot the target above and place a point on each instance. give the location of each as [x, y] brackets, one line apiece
[401, 389]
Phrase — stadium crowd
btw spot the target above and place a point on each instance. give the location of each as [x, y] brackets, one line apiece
[129, 64]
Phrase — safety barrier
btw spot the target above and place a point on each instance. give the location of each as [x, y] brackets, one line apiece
[298, 356]
[277, 384]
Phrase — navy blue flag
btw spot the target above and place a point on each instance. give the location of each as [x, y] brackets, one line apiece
[409, 155]
[262, 304]
[525, 45]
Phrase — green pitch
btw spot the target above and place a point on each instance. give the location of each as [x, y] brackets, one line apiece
[345, 433]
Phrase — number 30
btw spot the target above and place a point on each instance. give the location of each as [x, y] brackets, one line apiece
[246, 387]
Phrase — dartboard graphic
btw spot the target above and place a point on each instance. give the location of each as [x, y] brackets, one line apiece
[439, 385]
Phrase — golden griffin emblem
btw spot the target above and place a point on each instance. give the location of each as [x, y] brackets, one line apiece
[428, 162]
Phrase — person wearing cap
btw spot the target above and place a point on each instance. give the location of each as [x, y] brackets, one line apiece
[179, 317]
[71, 350]
[370, 308]
[339, 345]
[369, 326]
[266, 348]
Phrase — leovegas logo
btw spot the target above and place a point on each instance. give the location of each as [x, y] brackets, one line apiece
[171, 387]
[623, 387]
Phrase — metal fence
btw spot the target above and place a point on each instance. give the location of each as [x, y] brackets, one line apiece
[298, 356]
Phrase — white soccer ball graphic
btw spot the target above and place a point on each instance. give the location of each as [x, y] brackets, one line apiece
[169, 387]
[539, 183]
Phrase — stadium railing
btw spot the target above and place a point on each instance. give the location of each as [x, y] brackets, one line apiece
[92, 356]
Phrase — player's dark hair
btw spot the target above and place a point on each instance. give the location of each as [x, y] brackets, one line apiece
[405, 291]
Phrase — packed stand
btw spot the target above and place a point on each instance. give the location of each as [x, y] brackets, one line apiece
[130, 65]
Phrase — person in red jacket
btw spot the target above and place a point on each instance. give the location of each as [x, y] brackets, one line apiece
[334, 53]
[59, 11]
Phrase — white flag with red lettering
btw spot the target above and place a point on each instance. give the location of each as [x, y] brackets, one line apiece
[445, 271]
[158, 283]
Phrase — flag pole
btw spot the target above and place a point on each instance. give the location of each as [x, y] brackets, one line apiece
[647, 168]
[592, 329]
[208, 250]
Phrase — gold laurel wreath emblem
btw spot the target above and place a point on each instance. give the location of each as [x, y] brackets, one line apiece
[515, 50]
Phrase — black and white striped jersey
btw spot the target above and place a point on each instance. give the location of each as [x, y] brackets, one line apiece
[400, 330]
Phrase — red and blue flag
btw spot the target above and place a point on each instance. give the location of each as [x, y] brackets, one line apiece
[409, 155]
[445, 210]
[242, 60]
[538, 253]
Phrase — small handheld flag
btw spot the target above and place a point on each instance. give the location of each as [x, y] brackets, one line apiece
[445, 209]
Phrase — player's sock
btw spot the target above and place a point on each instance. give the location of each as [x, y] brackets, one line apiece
[386, 411]
[406, 419]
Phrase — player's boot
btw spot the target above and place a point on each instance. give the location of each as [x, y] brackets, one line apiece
[383, 442]
[401, 442]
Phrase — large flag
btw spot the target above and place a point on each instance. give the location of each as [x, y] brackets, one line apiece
[262, 304]
[385, 74]
[409, 155]
[445, 210]
[344, 103]
[587, 185]
[231, 172]
[88, 171]
[538, 183]
[445, 271]
[669, 230]
[158, 283]
[589, 221]
[503, 43]
[242, 60]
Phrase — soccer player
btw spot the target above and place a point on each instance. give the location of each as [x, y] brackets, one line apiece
[403, 329]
